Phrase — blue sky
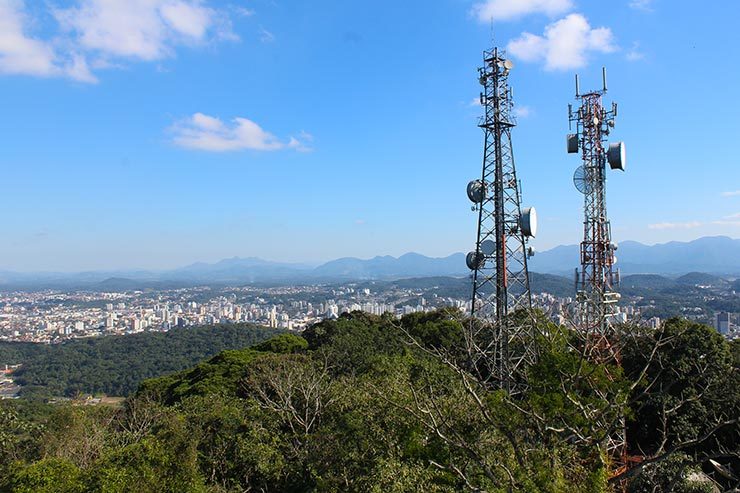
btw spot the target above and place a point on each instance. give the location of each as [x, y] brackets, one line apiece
[155, 133]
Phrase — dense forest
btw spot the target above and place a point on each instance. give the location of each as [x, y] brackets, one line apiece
[374, 404]
[116, 365]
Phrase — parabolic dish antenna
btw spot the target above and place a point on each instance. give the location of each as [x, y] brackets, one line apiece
[579, 180]
[508, 64]
[487, 247]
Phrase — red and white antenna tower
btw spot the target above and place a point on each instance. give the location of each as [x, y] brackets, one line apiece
[598, 277]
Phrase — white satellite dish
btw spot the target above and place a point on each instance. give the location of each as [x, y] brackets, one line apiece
[528, 222]
[488, 247]
[617, 156]
[508, 64]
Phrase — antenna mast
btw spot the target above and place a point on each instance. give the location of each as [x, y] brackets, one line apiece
[597, 278]
[499, 262]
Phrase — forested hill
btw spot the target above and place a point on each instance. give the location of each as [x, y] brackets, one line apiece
[116, 365]
[375, 404]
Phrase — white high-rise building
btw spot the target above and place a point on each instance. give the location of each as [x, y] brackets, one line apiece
[723, 323]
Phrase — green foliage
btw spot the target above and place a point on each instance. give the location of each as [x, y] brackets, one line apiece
[353, 407]
[693, 371]
[439, 329]
[117, 365]
[54, 475]
[355, 341]
[283, 344]
[15, 353]
[219, 375]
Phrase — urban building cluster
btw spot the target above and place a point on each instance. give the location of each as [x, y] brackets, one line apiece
[50, 316]
[54, 316]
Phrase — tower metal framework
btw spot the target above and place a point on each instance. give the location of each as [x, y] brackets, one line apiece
[598, 278]
[499, 262]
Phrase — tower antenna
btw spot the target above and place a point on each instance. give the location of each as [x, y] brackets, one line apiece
[499, 261]
[597, 278]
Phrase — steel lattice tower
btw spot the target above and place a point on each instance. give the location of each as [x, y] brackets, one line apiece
[597, 278]
[499, 262]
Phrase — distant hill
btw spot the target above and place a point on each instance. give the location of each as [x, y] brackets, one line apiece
[408, 265]
[647, 281]
[238, 269]
[555, 285]
[701, 279]
[718, 255]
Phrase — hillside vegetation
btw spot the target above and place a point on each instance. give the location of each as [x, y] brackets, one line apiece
[116, 365]
[372, 404]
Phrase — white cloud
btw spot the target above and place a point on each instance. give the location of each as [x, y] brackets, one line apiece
[731, 194]
[521, 111]
[100, 33]
[727, 223]
[242, 11]
[504, 10]
[208, 133]
[634, 54]
[266, 36]
[565, 44]
[18, 53]
[140, 29]
[644, 5]
[688, 225]
[21, 54]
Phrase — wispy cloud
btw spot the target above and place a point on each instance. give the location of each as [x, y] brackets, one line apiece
[208, 133]
[736, 193]
[505, 10]
[565, 44]
[687, 225]
[522, 111]
[644, 5]
[733, 216]
[634, 54]
[102, 33]
[266, 36]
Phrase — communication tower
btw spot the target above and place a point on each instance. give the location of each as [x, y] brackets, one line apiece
[597, 278]
[499, 261]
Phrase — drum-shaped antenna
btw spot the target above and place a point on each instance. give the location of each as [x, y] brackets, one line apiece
[476, 191]
[617, 156]
[475, 260]
[528, 222]
[572, 143]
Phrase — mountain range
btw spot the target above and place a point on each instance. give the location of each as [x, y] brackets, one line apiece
[715, 255]
[711, 254]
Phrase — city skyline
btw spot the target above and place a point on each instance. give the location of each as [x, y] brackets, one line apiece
[199, 130]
